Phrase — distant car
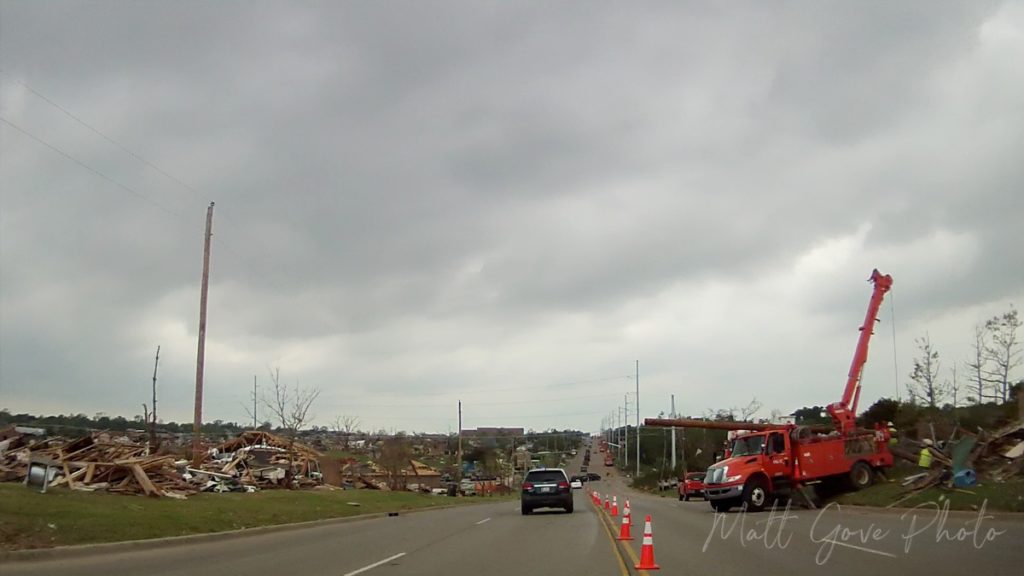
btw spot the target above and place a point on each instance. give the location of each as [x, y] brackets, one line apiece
[592, 476]
[582, 478]
[576, 484]
[692, 485]
[547, 488]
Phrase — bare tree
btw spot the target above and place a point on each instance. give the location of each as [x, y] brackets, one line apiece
[926, 387]
[345, 425]
[748, 411]
[977, 365]
[1003, 351]
[291, 409]
[394, 458]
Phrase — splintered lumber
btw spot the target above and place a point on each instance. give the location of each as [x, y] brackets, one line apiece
[144, 481]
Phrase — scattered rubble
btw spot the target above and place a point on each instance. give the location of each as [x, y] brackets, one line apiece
[252, 461]
[958, 462]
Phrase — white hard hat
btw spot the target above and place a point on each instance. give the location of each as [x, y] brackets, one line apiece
[927, 441]
[889, 424]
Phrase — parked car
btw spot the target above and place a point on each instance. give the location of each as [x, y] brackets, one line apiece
[546, 488]
[692, 485]
[576, 484]
[592, 476]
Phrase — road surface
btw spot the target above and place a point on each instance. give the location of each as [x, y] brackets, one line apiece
[495, 539]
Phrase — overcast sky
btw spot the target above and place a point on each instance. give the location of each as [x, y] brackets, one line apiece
[507, 203]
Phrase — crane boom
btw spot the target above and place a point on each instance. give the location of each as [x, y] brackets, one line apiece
[844, 412]
[723, 425]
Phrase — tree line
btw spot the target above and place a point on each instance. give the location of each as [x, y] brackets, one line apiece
[985, 376]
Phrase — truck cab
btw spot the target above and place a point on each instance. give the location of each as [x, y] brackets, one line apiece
[757, 466]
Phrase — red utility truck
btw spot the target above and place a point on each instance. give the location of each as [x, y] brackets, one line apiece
[768, 461]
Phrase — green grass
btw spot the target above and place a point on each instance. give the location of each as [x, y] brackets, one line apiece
[62, 517]
[1006, 496]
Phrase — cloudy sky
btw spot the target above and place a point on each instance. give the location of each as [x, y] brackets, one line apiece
[507, 203]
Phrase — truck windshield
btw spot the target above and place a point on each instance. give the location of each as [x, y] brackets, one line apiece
[747, 446]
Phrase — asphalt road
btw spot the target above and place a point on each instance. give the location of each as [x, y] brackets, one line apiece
[495, 539]
[689, 537]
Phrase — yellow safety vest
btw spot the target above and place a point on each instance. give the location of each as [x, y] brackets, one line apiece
[893, 440]
[925, 460]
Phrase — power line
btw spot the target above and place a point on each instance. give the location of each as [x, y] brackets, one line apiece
[227, 248]
[148, 163]
[95, 130]
[124, 187]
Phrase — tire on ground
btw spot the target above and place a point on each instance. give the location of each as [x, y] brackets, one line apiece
[861, 475]
[756, 494]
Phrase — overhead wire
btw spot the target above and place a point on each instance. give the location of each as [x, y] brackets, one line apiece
[120, 185]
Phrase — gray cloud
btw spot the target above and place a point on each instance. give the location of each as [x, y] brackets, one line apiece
[417, 203]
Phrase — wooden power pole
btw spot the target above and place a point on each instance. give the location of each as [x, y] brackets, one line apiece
[197, 423]
[458, 471]
[152, 417]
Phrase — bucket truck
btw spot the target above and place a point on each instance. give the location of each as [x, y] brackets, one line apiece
[768, 461]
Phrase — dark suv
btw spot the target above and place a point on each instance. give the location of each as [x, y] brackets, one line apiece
[546, 488]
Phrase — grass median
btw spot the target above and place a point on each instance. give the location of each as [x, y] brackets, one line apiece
[62, 517]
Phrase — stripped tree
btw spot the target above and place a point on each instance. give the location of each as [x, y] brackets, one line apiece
[291, 409]
[1003, 351]
[926, 388]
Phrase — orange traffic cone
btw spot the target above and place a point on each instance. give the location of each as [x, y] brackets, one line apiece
[627, 514]
[647, 549]
[624, 532]
[615, 506]
[607, 504]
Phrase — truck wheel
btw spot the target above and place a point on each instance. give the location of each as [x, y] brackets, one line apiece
[755, 494]
[687, 497]
[526, 511]
[861, 475]
[680, 497]
[568, 509]
[721, 505]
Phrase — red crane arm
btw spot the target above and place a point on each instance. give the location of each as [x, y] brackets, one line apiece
[844, 412]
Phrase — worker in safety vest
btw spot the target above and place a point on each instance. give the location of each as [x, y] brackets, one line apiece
[925, 459]
[893, 438]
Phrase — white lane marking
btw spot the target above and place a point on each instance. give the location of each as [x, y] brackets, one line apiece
[375, 564]
[482, 521]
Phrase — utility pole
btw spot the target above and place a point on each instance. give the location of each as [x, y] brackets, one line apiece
[197, 421]
[152, 421]
[637, 419]
[458, 472]
[673, 434]
[254, 425]
[625, 404]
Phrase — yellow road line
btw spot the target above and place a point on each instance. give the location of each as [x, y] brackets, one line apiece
[615, 548]
[629, 549]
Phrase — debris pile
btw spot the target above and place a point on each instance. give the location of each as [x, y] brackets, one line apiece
[956, 463]
[121, 467]
[256, 460]
[252, 461]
